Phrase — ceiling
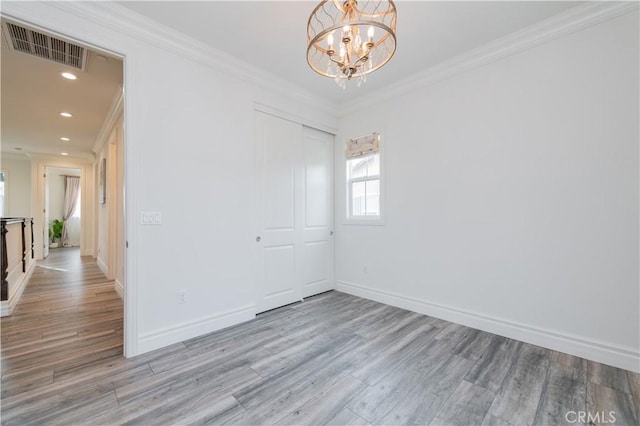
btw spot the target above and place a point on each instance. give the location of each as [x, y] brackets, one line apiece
[272, 34]
[34, 93]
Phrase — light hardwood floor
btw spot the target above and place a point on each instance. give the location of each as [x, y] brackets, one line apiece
[332, 359]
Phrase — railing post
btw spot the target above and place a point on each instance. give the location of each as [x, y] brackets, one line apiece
[33, 253]
[24, 246]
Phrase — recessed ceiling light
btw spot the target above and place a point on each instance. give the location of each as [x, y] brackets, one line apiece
[69, 76]
[65, 114]
[65, 139]
[64, 153]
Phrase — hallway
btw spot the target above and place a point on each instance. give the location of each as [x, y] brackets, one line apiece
[68, 317]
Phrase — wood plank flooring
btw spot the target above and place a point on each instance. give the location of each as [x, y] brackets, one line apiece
[333, 359]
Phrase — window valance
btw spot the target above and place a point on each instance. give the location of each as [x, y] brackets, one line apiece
[364, 145]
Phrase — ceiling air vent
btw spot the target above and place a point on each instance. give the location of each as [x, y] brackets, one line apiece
[25, 40]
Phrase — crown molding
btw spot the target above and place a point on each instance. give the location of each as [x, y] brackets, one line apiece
[28, 156]
[23, 156]
[115, 110]
[69, 161]
[125, 21]
[557, 26]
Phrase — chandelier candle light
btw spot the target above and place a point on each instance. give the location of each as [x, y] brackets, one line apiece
[349, 39]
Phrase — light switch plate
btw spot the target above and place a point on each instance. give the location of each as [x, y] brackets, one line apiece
[150, 218]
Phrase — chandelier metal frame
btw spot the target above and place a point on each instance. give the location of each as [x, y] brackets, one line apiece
[347, 39]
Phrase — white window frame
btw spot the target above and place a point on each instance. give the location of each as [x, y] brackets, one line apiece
[378, 220]
[5, 205]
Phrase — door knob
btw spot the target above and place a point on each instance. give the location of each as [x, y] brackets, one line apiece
[331, 233]
[258, 239]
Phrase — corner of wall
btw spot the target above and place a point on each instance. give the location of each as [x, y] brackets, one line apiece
[119, 288]
[102, 266]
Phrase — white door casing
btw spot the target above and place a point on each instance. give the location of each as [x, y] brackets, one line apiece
[45, 215]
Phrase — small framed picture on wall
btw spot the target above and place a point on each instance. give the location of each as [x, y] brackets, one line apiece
[102, 189]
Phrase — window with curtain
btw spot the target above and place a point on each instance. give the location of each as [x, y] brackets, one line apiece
[71, 212]
[363, 178]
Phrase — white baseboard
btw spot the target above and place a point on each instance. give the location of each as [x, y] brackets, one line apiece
[102, 266]
[87, 252]
[119, 288]
[7, 306]
[606, 353]
[180, 332]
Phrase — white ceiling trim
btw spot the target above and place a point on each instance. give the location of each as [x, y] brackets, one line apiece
[121, 19]
[116, 108]
[15, 156]
[57, 161]
[565, 23]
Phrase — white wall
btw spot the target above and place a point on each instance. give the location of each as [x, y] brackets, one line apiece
[18, 185]
[56, 194]
[189, 156]
[512, 197]
[196, 170]
[110, 219]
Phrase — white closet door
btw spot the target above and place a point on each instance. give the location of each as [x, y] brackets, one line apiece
[294, 211]
[317, 229]
[279, 176]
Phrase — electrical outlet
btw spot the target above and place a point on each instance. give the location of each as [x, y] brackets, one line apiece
[182, 296]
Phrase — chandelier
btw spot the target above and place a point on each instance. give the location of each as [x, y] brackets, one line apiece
[347, 39]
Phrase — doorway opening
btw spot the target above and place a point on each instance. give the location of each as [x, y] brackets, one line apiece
[63, 134]
[63, 208]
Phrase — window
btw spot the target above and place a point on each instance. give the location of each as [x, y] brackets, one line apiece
[2, 194]
[76, 212]
[363, 179]
[364, 186]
